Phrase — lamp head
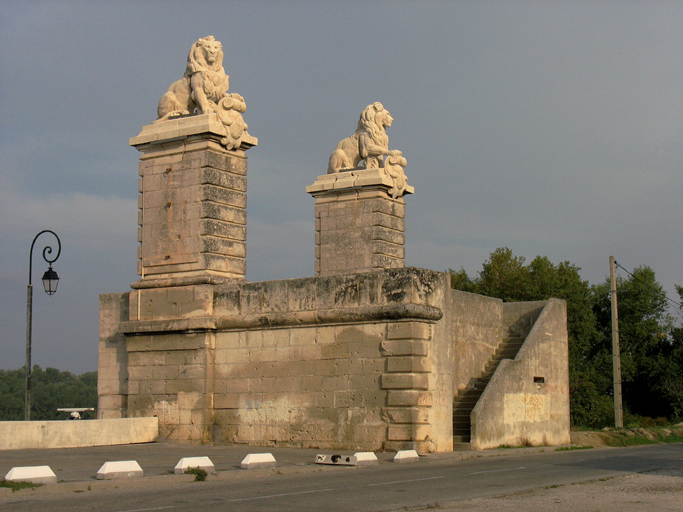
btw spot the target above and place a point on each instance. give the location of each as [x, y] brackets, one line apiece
[50, 281]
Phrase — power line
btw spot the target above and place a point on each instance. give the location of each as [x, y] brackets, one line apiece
[666, 297]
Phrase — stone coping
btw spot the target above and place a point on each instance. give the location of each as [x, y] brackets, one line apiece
[357, 178]
[184, 126]
[285, 319]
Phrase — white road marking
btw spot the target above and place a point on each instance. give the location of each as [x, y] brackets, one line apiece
[280, 495]
[404, 481]
[497, 470]
[144, 509]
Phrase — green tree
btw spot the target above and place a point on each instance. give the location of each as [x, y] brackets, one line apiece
[507, 277]
[51, 389]
[645, 338]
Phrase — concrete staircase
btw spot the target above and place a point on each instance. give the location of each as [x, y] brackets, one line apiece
[466, 399]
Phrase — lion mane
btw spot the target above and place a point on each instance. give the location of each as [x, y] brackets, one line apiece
[369, 143]
[202, 86]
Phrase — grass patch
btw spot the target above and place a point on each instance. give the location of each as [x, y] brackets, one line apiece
[199, 474]
[15, 486]
[673, 438]
[621, 440]
[570, 448]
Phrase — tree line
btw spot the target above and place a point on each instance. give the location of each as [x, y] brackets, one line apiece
[651, 341]
[51, 389]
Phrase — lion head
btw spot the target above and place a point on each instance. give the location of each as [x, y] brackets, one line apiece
[374, 121]
[205, 55]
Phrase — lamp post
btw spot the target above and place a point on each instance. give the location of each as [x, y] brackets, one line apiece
[50, 281]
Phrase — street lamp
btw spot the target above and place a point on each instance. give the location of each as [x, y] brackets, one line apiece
[50, 281]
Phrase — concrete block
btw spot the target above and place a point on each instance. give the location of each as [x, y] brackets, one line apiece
[365, 458]
[34, 474]
[119, 469]
[194, 462]
[406, 456]
[258, 460]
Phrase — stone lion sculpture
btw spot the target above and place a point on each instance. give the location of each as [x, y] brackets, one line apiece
[203, 84]
[370, 142]
[203, 89]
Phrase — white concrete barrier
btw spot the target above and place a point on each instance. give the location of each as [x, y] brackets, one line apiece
[365, 458]
[33, 474]
[119, 469]
[406, 456]
[258, 460]
[194, 462]
[18, 435]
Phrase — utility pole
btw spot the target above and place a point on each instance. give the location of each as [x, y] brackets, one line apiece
[616, 354]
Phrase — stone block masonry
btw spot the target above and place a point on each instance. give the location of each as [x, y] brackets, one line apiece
[359, 227]
[192, 217]
[328, 362]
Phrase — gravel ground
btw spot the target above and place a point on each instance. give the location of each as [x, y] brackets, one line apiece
[658, 491]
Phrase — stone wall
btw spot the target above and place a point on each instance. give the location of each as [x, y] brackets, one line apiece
[527, 400]
[365, 361]
[41, 435]
[477, 331]
[327, 362]
[112, 366]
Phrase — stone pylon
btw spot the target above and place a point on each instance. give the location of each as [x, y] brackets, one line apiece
[359, 226]
[192, 204]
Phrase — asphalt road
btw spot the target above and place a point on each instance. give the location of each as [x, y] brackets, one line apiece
[386, 487]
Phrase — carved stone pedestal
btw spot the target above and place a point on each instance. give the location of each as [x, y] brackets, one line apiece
[192, 203]
[359, 227]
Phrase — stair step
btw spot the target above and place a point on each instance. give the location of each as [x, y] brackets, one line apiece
[513, 339]
[466, 399]
[464, 404]
[506, 351]
[468, 392]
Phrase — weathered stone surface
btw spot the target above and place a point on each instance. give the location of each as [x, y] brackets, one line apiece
[408, 364]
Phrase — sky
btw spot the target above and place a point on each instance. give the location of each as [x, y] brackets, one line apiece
[554, 128]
